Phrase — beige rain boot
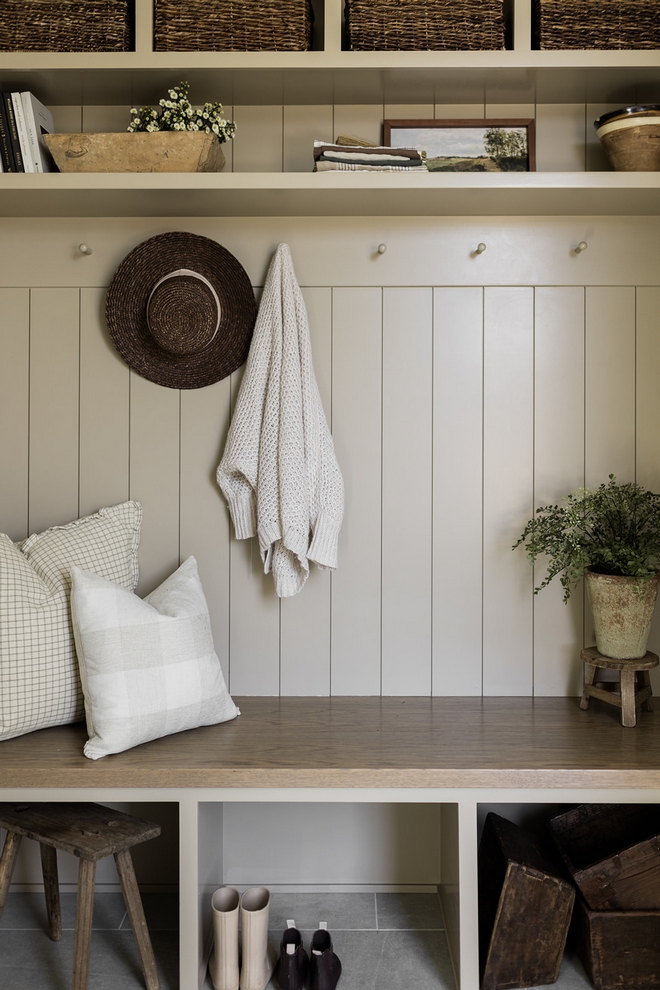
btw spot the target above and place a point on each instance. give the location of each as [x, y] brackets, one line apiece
[223, 964]
[258, 958]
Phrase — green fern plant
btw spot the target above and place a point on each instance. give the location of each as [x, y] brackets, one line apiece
[612, 529]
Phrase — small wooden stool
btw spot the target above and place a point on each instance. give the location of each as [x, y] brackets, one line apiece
[91, 832]
[629, 698]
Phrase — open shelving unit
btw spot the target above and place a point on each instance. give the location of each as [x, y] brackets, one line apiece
[330, 74]
[457, 754]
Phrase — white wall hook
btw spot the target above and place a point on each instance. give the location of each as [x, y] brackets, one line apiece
[480, 248]
[582, 246]
[382, 248]
[84, 249]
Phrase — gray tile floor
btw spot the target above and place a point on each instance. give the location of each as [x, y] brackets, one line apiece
[385, 942]
[30, 961]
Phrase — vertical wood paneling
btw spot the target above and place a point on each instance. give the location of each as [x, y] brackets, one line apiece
[648, 416]
[305, 618]
[104, 403]
[258, 141]
[408, 111]
[154, 477]
[356, 418]
[105, 118]
[54, 370]
[508, 489]
[407, 474]
[254, 612]
[14, 411]
[457, 491]
[458, 111]
[359, 120]
[610, 384]
[510, 110]
[596, 158]
[648, 390]
[302, 126]
[204, 520]
[560, 137]
[67, 119]
[558, 469]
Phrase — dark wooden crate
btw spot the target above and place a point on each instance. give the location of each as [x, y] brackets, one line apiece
[618, 948]
[525, 906]
[613, 854]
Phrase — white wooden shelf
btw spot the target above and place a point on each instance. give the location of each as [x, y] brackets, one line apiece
[243, 78]
[331, 194]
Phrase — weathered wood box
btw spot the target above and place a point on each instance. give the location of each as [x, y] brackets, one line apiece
[525, 908]
[618, 948]
[613, 854]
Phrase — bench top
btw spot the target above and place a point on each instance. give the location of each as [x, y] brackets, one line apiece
[366, 743]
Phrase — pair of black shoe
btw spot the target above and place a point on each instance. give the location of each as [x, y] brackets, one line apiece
[322, 966]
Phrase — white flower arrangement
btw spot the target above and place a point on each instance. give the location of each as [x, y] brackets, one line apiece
[176, 113]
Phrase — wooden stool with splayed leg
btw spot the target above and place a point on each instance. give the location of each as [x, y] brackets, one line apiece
[91, 832]
[633, 674]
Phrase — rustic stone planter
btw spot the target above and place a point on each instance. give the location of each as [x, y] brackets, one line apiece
[157, 151]
[622, 618]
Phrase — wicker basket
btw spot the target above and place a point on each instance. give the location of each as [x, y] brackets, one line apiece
[604, 24]
[232, 25]
[66, 25]
[425, 25]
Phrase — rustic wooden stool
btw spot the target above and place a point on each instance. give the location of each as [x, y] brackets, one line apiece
[629, 698]
[90, 832]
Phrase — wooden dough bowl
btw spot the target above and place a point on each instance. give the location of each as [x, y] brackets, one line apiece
[157, 151]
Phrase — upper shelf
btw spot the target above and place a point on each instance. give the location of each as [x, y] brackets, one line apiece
[323, 77]
[329, 74]
[331, 194]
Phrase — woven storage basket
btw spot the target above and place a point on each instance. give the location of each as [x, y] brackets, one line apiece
[66, 25]
[561, 24]
[425, 25]
[232, 25]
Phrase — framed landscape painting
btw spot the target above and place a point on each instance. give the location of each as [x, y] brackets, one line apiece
[467, 145]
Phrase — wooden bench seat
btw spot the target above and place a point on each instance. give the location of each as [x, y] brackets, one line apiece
[361, 743]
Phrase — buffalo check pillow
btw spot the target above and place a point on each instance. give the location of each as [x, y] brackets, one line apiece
[148, 666]
[39, 679]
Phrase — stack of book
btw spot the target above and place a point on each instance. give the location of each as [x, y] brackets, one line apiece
[23, 123]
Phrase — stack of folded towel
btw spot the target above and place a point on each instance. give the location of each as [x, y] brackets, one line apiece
[346, 158]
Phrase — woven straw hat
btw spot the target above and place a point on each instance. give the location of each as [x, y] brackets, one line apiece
[181, 311]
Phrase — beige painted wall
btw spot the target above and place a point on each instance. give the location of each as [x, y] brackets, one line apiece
[462, 390]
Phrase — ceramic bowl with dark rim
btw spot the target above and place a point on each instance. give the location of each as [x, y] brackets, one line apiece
[631, 138]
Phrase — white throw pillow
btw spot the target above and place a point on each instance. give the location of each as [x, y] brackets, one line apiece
[148, 667]
[39, 680]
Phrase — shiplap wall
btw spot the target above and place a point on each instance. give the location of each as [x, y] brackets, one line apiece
[462, 391]
[455, 410]
[280, 138]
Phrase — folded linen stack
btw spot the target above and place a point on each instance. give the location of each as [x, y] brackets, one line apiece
[347, 158]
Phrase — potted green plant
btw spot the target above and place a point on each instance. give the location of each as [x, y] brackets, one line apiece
[611, 535]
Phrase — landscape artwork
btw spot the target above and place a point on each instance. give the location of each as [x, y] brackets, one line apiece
[467, 146]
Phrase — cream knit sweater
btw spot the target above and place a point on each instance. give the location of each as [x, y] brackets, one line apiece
[279, 472]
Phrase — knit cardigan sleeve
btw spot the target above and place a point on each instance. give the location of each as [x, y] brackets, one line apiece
[238, 470]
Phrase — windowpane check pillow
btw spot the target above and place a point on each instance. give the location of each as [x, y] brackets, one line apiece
[148, 667]
[39, 680]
